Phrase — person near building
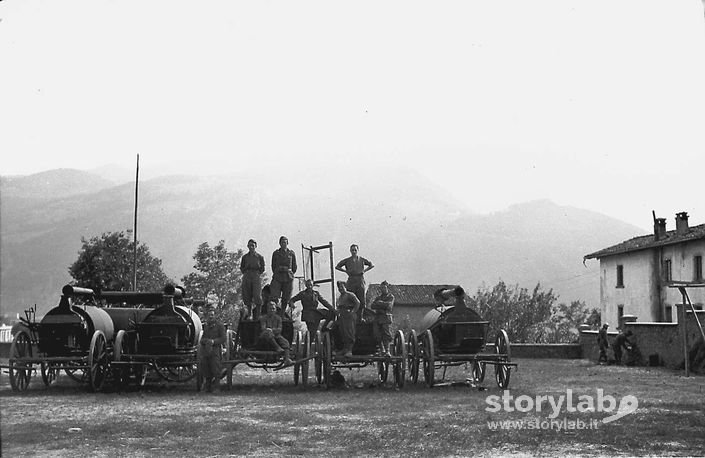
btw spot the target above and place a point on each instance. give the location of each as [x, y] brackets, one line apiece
[621, 342]
[602, 343]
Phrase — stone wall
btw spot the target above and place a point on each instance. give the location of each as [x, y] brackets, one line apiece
[561, 351]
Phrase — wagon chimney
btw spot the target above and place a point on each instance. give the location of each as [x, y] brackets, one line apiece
[659, 228]
[682, 223]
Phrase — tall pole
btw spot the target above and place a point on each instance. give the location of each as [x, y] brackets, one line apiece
[134, 248]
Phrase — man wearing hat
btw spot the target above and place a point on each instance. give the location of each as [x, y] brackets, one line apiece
[252, 267]
[382, 307]
[283, 268]
[310, 298]
[602, 343]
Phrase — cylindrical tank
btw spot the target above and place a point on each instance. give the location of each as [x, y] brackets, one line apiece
[64, 331]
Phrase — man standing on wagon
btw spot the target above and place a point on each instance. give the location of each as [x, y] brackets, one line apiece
[252, 267]
[355, 266]
[283, 268]
[347, 308]
[382, 307]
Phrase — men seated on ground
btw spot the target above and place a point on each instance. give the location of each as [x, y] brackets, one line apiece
[382, 307]
[270, 337]
[310, 298]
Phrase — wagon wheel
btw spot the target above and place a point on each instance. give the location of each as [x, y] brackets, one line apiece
[400, 366]
[229, 342]
[180, 373]
[428, 358]
[327, 357]
[78, 374]
[382, 371]
[306, 353]
[502, 372]
[199, 376]
[121, 373]
[297, 353]
[98, 360]
[479, 369]
[20, 372]
[318, 361]
[413, 356]
[49, 373]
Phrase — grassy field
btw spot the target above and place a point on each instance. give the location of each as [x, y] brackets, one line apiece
[266, 415]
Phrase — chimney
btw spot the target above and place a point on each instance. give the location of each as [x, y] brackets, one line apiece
[682, 223]
[659, 228]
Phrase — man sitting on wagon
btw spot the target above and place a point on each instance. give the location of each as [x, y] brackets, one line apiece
[310, 315]
[382, 307]
[271, 337]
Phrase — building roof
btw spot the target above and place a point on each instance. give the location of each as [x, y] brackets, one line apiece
[649, 241]
[408, 294]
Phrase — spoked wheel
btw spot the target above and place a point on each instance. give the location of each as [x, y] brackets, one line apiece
[413, 356]
[306, 353]
[297, 353]
[78, 374]
[182, 373]
[382, 371]
[98, 360]
[121, 373]
[20, 372]
[49, 373]
[199, 374]
[229, 350]
[502, 372]
[400, 366]
[478, 371]
[318, 361]
[327, 357]
[428, 354]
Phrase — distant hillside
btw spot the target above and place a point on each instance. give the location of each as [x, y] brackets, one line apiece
[412, 230]
[51, 184]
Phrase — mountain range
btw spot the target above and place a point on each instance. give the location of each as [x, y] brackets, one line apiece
[409, 227]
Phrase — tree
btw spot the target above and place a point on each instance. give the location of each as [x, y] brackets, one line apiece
[513, 309]
[217, 278]
[106, 263]
[562, 326]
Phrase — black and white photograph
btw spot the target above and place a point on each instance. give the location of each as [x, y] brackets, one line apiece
[372, 228]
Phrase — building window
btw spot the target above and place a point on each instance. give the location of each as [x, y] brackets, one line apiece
[668, 314]
[667, 270]
[698, 268]
[620, 276]
[620, 311]
[698, 306]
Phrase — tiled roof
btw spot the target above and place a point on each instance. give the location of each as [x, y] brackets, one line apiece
[648, 241]
[421, 295]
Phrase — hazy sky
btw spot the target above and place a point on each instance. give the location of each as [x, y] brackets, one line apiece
[596, 104]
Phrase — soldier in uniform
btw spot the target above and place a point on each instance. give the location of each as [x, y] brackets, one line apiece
[271, 337]
[210, 353]
[382, 307]
[348, 305]
[602, 343]
[310, 298]
[284, 268]
[252, 267]
[355, 267]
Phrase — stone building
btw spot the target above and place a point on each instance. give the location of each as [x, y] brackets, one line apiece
[635, 275]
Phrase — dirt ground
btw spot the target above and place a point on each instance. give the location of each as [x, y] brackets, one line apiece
[266, 415]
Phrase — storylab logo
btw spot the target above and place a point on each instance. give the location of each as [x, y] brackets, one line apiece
[562, 404]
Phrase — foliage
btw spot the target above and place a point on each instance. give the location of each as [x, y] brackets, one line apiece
[106, 263]
[562, 325]
[217, 278]
[514, 309]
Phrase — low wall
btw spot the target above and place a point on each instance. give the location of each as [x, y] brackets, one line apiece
[660, 343]
[560, 351]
